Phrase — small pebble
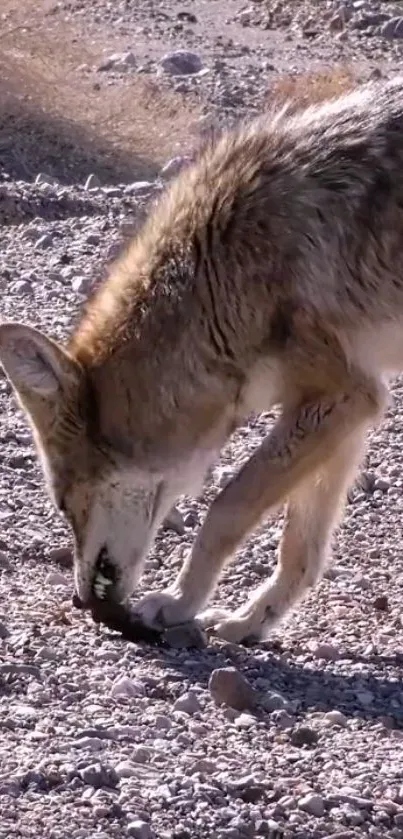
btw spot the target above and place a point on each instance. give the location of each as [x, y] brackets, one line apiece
[245, 721]
[381, 603]
[365, 697]
[282, 719]
[141, 755]
[174, 521]
[4, 632]
[303, 735]
[127, 688]
[55, 578]
[191, 519]
[5, 564]
[45, 241]
[229, 687]
[382, 483]
[119, 61]
[140, 188]
[97, 775]
[140, 830]
[187, 703]
[204, 766]
[335, 718]
[92, 744]
[274, 702]
[328, 652]
[81, 285]
[162, 723]
[393, 29]
[21, 287]
[92, 182]
[62, 556]
[45, 180]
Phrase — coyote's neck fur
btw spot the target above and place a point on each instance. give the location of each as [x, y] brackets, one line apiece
[152, 337]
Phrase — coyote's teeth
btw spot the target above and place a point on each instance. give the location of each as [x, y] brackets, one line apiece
[100, 585]
[105, 581]
[99, 590]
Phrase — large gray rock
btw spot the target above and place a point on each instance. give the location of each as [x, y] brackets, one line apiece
[181, 63]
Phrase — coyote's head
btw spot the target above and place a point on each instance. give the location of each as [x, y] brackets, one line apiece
[113, 508]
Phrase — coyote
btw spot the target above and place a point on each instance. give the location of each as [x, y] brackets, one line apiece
[269, 273]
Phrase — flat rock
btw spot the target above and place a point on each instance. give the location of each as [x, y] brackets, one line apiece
[312, 804]
[126, 769]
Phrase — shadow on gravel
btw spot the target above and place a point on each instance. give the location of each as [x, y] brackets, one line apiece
[371, 696]
[33, 142]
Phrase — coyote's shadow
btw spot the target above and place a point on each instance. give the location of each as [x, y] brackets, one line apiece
[314, 690]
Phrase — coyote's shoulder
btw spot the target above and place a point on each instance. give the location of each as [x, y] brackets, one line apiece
[269, 272]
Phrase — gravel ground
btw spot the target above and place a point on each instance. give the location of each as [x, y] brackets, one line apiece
[298, 738]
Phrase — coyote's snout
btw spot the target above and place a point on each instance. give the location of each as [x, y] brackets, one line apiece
[270, 272]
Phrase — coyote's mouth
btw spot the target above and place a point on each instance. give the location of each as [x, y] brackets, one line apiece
[105, 576]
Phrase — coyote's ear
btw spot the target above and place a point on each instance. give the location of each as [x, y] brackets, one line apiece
[39, 370]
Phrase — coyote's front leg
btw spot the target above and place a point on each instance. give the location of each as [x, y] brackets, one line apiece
[313, 509]
[317, 441]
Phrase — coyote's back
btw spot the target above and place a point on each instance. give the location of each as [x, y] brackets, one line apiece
[293, 221]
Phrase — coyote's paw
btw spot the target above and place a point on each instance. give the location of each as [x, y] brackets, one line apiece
[161, 609]
[238, 631]
[243, 628]
[212, 616]
[230, 626]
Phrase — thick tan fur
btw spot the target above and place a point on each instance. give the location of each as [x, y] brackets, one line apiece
[271, 272]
